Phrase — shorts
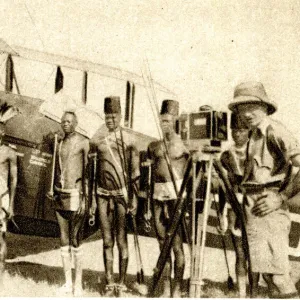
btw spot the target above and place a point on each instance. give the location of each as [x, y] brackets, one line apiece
[268, 239]
[66, 214]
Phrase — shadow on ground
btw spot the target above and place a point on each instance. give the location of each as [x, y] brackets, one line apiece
[54, 277]
[22, 245]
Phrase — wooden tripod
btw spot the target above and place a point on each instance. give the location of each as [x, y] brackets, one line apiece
[198, 248]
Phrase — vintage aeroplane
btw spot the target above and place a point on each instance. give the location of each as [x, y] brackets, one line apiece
[37, 117]
[39, 110]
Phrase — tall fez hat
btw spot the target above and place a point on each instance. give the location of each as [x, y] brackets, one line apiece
[236, 122]
[251, 92]
[112, 105]
[170, 107]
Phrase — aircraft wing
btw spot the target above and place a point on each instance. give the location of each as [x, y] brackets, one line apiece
[89, 121]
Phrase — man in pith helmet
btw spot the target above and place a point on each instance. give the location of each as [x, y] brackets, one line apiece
[163, 193]
[69, 200]
[271, 151]
[117, 171]
[233, 160]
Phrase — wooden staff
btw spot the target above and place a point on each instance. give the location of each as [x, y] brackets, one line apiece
[92, 185]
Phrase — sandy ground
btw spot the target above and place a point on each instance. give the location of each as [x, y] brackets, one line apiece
[34, 267]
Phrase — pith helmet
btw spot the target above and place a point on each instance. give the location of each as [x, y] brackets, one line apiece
[170, 107]
[251, 92]
[236, 122]
[112, 105]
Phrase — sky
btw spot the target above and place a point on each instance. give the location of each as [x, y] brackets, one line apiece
[199, 49]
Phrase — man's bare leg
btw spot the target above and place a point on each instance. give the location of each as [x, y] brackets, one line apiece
[240, 266]
[3, 254]
[122, 244]
[179, 266]
[255, 280]
[77, 252]
[106, 218]
[161, 232]
[65, 253]
[77, 233]
[272, 289]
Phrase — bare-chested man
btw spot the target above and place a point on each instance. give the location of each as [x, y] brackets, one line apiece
[163, 193]
[233, 160]
[112, 177]
[8, 184]
[71, 161]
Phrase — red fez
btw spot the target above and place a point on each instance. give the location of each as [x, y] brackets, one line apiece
[112, 105]
[170, 107]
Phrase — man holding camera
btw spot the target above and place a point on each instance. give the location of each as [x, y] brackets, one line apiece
[163, 192]
[271, 152]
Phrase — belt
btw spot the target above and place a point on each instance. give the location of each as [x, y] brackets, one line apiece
[111, 193]
[112, 199]
[256, 188]
[71, 192]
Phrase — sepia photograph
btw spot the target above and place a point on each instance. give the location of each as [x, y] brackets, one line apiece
[150, 149]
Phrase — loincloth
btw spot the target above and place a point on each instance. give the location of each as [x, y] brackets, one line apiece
[67, 199]
[268, 238]
[113, 197]
[164, 191]
[112, 193]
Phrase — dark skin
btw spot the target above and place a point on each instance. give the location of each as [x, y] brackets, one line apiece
[112, 211]
[240, 138]
[160, 173]
[67, 226]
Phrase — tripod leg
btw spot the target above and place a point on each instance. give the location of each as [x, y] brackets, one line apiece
[240, 214]
[196, 259]
[193, 220]
[178, 213]
[207, 205]
[196, 235]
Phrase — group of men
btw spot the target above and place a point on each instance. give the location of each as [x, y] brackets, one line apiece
[103, 176]
[108, 168]
[260, 167]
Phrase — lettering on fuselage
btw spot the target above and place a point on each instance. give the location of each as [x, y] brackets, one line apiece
[39, 161]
